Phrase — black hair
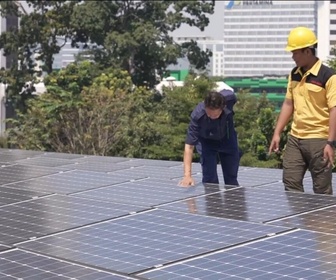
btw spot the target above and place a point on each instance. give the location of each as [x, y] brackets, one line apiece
[214, 100]
[312, 49]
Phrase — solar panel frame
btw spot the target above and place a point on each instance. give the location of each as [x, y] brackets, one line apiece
[16, 173]
[318, 220]
[286, 256]
[46, 161]
[148, 239]
[148, 192]
[74, 181]
[20, 264]
[252, 204]
[10, 195]
[159, 172]
[48, 215]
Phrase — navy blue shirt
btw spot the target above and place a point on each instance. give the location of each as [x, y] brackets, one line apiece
[201, 127]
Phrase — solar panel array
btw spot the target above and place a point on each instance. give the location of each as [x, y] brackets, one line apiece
[66, 216]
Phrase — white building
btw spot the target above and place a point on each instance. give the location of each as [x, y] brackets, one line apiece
[255, 35]
[216, 65]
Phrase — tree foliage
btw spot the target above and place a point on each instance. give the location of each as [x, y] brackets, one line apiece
[104, 113]
[130, 35]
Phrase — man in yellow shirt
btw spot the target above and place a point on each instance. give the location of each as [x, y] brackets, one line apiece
[311, 102]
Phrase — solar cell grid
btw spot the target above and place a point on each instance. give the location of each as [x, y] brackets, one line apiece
[148, 239]
[55, 213]
[19, 264]
[148, 192]
[10, 195]
[295, 255]
[251, 204]
[45, 161]
[16, 173]
[74, 181]
[97, 166]
[323, 220]
[159, 172]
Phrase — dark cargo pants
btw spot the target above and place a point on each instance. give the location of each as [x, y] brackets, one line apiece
[303, 154]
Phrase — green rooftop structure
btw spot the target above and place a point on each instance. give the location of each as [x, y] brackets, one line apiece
[274, 87]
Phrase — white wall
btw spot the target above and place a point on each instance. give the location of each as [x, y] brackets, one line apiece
[323, 30]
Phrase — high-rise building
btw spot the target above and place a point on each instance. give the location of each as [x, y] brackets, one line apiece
[255, 35]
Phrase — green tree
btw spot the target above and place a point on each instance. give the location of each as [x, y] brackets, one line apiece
[136, 35]
[36, 39]
[91, 122]
[131, 35]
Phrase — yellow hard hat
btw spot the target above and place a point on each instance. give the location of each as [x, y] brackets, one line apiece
[299, 38]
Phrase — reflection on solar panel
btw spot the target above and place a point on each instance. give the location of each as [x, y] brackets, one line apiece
[10, 195]
[18, 264]
[148, 192]
[15, 173]
[66, 216]
[295, 255]
[55, 213]
[75, 181]
[148, 239]
[323, 220]
[252, 204]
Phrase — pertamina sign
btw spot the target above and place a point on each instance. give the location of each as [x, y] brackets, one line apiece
[232, 3]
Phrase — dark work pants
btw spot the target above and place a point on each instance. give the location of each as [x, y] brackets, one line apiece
[229, 162]
[303, 154]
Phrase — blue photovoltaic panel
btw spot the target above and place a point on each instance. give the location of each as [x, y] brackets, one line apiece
[251, 204]
[296, 255]
[16, 173]
[39, 217]
[10, 195]
[323, 220]
[22, 265]
[159, 172]
[97, 166]
[147, 192]
[148, 239]
[74, 181]
[46, 161]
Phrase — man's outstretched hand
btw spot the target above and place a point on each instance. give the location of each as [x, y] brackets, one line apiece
[187, 181]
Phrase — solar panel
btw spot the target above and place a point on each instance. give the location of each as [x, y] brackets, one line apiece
[296, 255]
[148, 239]
[247, 177]
[45, 161]
[94, 159]
[16, 173]
[323, 220]
[152, 162]
[307, 184]
[10, 195]
[19, 264]
[74, 181]
[64, 156]
[252, 204]
[97, 166]
[20, 154]
[159, 172]
[148, 192]
[4, 247]
[38, 217]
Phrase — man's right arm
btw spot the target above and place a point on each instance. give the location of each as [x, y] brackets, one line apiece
[187, 162]
[284, 117]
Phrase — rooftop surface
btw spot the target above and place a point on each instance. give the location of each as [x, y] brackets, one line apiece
[65, 216]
